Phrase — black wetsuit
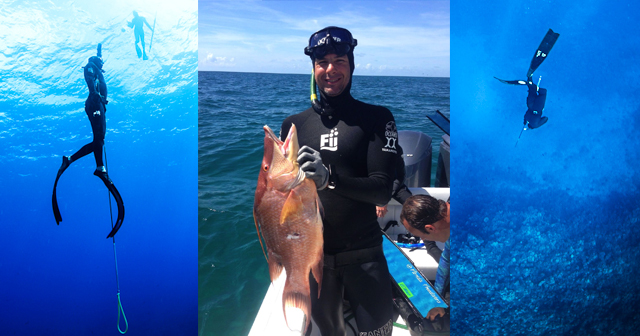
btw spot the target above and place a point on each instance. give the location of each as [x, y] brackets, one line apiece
[358, 144]
[535, 104]
[95, 108]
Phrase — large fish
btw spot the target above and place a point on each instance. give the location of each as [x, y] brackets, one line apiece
[288, 212]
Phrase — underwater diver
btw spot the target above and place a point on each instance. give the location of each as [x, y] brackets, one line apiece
[536, 96]
[95, 108]
[429, 219]
[137, 23]
[349, 149]
[535, 105]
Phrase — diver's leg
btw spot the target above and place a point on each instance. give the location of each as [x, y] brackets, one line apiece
[88, 148]
[99, 127]
[369, 291]
[327, 310]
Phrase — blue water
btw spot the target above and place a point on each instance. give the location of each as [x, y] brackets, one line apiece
[61, 280]
[545, 234]
[233, 107]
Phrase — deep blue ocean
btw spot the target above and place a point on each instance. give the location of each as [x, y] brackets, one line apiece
[61, 280]
[233, 107]
[545, 235]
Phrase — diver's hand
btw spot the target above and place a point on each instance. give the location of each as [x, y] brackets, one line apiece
[381, 211]
[311, 164]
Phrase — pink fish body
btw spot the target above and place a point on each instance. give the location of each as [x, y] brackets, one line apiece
[288, 212]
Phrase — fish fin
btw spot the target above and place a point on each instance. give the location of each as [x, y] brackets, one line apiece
[294, 298]
[316, 270]
[275, 269]
[255, 220]
[320, 208]
[292, 205]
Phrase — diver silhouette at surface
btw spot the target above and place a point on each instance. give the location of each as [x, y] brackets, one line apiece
[95, 108]
[537, 96]
[137, 23]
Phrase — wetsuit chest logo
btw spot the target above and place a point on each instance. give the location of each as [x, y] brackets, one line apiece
[391, 133]
[329, 141]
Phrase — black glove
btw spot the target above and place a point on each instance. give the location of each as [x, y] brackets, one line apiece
[311, 164]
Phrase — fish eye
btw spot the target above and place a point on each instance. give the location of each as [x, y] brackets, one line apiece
[265, 167]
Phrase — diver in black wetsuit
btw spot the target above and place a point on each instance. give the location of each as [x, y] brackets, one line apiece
[537, 96]
[137, 23]
[95, 108]
[349, 149]
[535, 105]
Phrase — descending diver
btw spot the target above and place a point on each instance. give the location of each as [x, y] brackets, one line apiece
[137, 23]
[537, 96]
[95, 108]
[535, 105]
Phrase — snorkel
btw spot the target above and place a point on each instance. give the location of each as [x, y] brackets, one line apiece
[315, 103]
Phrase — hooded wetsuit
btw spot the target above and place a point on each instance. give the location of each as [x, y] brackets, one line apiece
[95, 109]
[358, 143]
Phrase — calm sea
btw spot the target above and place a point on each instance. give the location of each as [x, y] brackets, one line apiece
[60, 280]
[233, 107]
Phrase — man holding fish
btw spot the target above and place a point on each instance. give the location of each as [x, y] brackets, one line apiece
[348, 148]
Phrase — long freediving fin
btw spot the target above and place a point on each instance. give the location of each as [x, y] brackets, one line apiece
[112, 188]
[54, 196]
[543, 51]
[512, 82]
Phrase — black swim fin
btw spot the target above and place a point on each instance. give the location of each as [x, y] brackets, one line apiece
[543, 51]
[512, 82]
[54, 197]
[112, 188]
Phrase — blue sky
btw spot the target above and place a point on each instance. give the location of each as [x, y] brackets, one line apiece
[395, 38]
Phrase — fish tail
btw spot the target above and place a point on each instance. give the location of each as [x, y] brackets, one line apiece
[295, 298]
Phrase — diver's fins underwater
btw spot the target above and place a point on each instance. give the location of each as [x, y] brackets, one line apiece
[107, 182]
[539, 56]
[537, 96]
[543, 51]
[112, 188]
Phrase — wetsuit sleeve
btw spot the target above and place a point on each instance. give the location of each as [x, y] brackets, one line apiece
[400, 190]
[90, 78]
[102, 86]
[400, 193]
[376, 188]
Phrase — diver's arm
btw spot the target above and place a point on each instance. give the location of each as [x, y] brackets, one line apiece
[376, 187]
[90, 78]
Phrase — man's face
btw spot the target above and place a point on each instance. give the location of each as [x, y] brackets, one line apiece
[332, 73]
